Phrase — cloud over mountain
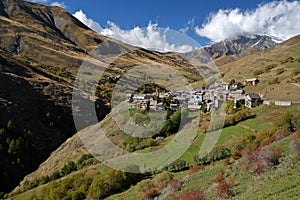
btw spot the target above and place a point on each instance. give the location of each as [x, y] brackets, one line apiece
[81, 16]
[150, 37]
[60, 4]
[279, 19]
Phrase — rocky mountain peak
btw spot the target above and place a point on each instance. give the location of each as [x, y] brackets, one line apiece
[237, 46]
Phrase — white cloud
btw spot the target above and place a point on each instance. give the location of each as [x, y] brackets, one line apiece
[81, 16]
[189, 25]
[60, 4]
[151, 37]
[184, 30]
[278, 19]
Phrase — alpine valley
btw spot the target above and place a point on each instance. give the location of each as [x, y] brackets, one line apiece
[42, 156]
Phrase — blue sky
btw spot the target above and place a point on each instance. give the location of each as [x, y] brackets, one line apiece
[203, 21]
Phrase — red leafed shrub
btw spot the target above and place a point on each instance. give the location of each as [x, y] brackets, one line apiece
[267, 118]
[226, 162]
[193, 195]
[219, 177]
[276, 137]
[152, 192]
[172, 197]
[295, 143]
[236, 155]
[224, 188]
[195, 168]
[282, 134]
[262, 160]
[258, 168]
[270, 156]
[176, 184]
[149, 194]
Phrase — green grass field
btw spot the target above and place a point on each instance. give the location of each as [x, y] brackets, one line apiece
[257, 124]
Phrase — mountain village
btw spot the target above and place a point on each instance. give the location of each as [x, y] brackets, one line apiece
[202, 99]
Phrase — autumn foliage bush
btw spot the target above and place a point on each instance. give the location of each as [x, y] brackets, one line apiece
[276, 137]
[145, 185]
[163, 179]
[295, 143]
[149, 194]
[176, 184]
[224, 188]
[193, 195]
[261, 160]
[223, 185]
[195, 168]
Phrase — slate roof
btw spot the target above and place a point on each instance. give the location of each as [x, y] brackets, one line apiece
[254, 96]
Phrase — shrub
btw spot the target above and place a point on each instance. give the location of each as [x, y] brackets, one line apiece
[280, 71]
[219, 153]
[172, 124]
[55, 175]
[77, 195]
[68, 168]
[177, 165]
[176, 184]
[295, 71]
[288, 121]
[287, 60]
[295, 143]
[258, 72]
[152, 193]
[226, 162]
[193, 195]
[269, 67]
[112, 181]
[274, 81]
[195, 168]
[232, 81]
[145, 185]
[219, 176]
[236, 155]
[270, 156]
[149, 194]
[9, 124]
[86, 160]
[263, 136]
[262, 160]
[238, 117]
[224, 188]
[276, 137]
[163, 179]
[44, 180]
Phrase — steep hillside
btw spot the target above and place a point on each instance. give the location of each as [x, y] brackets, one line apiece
[55, 38]
[41, 49]
[46, 34]
[247, 159]
[34, 119]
